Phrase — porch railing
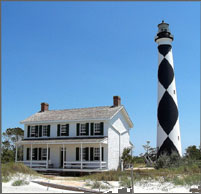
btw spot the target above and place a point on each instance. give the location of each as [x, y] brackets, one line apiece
[84, 164]
[67, 164]
[36, 163]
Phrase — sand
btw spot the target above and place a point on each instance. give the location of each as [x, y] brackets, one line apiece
[139, 187]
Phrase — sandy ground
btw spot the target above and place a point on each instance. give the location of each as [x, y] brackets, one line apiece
[31, 188]
[140, 187]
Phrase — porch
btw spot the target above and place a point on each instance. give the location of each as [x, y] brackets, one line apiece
[86, 155]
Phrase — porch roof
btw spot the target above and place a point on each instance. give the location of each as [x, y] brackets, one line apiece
[102, 140]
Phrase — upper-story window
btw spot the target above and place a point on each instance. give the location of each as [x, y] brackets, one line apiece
[97, 128]
[33, 131]
[45, 128]
[83, 129]
[63, 130]
[38, 131]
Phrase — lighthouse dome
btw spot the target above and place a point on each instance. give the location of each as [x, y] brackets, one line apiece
[163, 27]
[163, 31]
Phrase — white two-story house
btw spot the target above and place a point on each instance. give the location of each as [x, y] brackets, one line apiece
[85, 139]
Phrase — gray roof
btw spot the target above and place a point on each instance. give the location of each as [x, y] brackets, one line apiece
[94, 113]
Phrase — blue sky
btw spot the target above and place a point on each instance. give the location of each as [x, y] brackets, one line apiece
[81, 54]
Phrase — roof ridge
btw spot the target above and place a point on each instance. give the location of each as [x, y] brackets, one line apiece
[82, 108]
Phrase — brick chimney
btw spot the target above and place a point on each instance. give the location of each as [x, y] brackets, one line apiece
[116, 101]
[44, 106]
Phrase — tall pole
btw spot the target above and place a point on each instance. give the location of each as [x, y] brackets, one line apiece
[47, 157]
[16, 153]
[81, 155]
[132, 178]
[100, 155]
[31, 157]
[168, 129]
[63, 155]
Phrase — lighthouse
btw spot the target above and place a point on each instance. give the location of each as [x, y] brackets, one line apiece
[168, 129]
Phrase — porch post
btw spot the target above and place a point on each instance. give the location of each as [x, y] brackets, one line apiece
[81, 155]
[63, 155]
[16, 153]
[31, 157]
[47, 157]
[100, 156]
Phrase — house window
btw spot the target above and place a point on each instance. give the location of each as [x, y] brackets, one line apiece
[63, 130]
[97, 129]
[44, 154]
[83, 129]
[96, 153]
[33, 154]
[84, 153]
[33, 131]
[45, 130]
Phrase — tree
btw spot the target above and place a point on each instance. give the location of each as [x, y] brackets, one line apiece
[192, 152]
[126, 157]
[150, 154]
[10, 136]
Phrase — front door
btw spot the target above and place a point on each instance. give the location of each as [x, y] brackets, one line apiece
[62, 157]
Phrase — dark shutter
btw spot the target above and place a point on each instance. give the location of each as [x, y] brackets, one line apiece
[48, 153]
[91, 154]
[48, 130]
[39, 154]
[77, 154]
[40, 131]
[102, 152]
[78, 129]
[87, 128]
[101, 128]
[58, 130]
[28, 131]
[92, 128]
[87, 154]
[36, 131]
[28, 153]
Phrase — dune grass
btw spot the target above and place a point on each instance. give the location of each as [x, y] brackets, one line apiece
[187, 174]
[20, 182]
[11, 168]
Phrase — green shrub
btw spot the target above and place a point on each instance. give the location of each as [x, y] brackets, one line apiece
[125, 182]
[87, 184]
[20, 182]
[168, 161]
[96, 185]
[5, 179]
[178, 181]
[104, 186]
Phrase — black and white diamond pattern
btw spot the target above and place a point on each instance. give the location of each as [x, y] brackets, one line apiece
[168, 133]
